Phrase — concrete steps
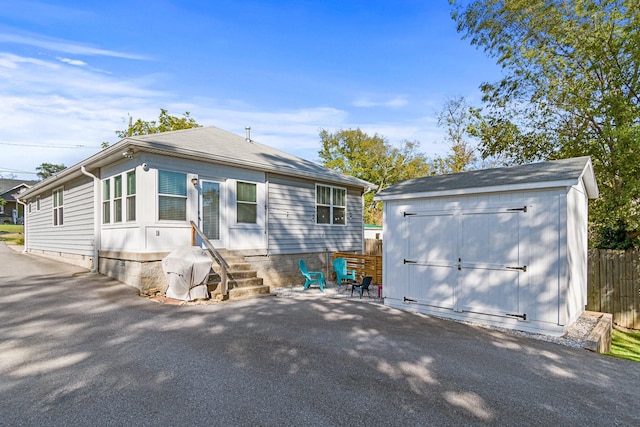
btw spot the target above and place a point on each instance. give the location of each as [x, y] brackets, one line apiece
[242, 281]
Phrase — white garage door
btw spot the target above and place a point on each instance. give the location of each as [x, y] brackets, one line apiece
[469, 260]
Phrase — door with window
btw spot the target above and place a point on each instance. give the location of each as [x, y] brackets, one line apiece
[210, 215]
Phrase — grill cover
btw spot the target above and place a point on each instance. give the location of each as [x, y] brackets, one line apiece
[187, 270]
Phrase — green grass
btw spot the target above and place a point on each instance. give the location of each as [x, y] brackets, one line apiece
[625, 345]
[12, 234]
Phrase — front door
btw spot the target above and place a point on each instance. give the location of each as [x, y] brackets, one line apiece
[211, 218]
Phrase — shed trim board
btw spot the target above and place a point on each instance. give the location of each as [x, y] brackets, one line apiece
[514, 258]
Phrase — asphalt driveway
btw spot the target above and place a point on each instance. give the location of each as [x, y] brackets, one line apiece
[78, 348]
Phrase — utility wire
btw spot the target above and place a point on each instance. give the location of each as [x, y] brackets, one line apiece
[16, 171]
[48, 146]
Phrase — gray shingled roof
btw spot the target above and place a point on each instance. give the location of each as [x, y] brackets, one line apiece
[210, 144]
[540, 175]
[216, 144]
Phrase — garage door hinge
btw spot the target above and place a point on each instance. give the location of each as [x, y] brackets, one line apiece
[523, 209]
[521, 316]
[523, 268]
[409, 300]
[408, 214]
[408, 261]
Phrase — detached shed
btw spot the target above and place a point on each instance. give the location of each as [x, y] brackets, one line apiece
[505, 246]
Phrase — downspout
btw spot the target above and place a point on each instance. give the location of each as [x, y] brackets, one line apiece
[24, 216]
[266, 211]
[96, 218]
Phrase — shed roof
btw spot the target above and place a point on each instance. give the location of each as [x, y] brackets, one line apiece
[554, 173]
[209, 144]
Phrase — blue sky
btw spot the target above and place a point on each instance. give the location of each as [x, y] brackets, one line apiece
[72, 71]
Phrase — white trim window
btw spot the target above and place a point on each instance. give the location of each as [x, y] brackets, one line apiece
[172, 196]
[58, 206]
[246, 203]
[38, 204]
[106, 201]
[131, 196]
[117, 199]
[331, 205]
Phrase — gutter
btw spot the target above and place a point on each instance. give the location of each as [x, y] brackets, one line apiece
[96, 218]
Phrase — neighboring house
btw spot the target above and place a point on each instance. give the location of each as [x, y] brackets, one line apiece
[12, 212]
[505, 246]
[372, 231]
[125, 208]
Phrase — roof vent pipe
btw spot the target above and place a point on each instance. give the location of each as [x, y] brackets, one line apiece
[248, 130]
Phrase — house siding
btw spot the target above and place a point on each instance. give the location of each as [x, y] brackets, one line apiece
[292, 219]
[76, 235]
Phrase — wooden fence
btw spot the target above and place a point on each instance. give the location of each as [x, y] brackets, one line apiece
[365, 265]
[614, 285]
[373, 247]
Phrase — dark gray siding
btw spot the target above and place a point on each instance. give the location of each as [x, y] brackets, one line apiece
[76, 235]
[292, 219]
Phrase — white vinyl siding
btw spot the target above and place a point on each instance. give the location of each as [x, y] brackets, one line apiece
[77, 235]
[292, 219]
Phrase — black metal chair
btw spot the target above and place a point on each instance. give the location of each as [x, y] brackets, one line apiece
[364, 286]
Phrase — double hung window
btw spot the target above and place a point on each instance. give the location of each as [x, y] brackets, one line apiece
[172, 196]
[246, 205]
[58, 207]
[119, 198]
[331, 205]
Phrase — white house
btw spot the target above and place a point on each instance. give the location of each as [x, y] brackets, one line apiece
[505, 246]
[372, 231]
[123, 209]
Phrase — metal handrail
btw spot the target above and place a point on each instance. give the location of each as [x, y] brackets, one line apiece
[215, 254]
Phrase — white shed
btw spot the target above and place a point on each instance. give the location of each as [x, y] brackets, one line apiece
[505, 247]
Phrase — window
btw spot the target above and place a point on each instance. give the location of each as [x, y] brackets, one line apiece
[331, 205]
[246, 206]
[58, 209]
[131, 196]
[37, 203]
[172, 196]
[106, 201]
[117, 198]
[1, 209]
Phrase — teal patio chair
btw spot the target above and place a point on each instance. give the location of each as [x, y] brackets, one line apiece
[340, 267]
[312, 277]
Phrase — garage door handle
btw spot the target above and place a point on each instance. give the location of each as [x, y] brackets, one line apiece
[523, 268]
[407, 261]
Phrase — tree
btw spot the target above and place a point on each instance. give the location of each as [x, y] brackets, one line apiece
[456, 117]
[165, 123]
[45, 170]
[373, 159]
[570, 87]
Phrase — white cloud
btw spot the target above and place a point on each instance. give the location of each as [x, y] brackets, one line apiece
[65, 46]
[76, 62]
[367, 102]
